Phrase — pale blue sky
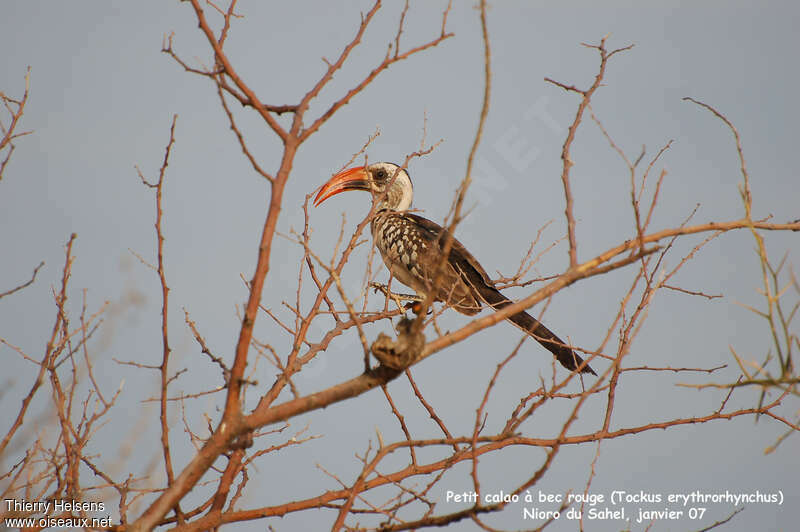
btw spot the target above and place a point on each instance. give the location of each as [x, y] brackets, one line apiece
[102, 97]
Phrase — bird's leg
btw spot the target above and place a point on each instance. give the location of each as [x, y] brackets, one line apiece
[397, 298]
[414, 301]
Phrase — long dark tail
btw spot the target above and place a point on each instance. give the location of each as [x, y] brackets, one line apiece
[533, 327]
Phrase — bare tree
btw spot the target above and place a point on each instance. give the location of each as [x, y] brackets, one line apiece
[59, 466]
[15, 109]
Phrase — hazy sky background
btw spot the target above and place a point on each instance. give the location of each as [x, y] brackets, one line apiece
[102, 98]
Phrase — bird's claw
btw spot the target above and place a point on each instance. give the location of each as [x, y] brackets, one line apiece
[377, 287]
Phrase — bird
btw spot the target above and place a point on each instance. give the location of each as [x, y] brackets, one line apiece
[412, 248]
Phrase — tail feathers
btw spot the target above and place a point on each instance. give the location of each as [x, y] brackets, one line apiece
[536, 330]
[473, 275]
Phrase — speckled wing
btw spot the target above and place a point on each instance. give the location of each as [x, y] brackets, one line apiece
[411, 248]
[477, 284]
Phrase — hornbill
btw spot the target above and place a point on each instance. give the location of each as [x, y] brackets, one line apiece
[412, 247]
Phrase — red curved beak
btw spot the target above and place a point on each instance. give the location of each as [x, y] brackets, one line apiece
[355, 178]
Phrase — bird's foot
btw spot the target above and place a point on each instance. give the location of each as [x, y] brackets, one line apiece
[397, 298]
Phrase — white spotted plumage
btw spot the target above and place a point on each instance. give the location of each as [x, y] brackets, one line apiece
[412, 248]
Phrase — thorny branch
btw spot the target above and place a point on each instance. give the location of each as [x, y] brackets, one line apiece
[429, 461]
[641, 250]
[25, 284]
[158, 186]
[472, 447]
[15, 109]
[53, 461]
[233, 424]
[586, 97]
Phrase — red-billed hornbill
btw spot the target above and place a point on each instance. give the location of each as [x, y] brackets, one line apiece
[412, 247]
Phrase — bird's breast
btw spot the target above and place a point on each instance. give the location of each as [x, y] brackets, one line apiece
[402, 246]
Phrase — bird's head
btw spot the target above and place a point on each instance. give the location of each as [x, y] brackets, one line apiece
[376, 178]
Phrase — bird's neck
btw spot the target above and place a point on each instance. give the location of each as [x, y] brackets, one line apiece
[397, 199]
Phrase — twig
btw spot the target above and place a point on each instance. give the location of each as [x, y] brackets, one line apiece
[586, 96]
[23, 285]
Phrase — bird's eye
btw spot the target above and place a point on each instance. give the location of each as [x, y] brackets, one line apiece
[380, 174]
